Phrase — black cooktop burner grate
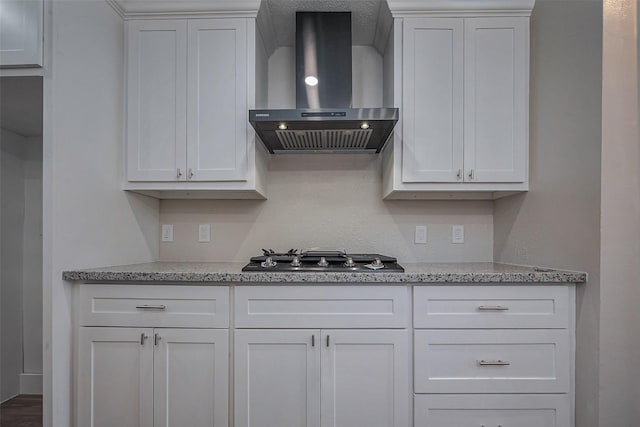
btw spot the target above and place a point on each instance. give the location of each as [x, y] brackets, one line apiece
[322, 261]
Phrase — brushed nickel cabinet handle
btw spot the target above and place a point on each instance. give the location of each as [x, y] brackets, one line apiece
[327, 340]
[179, 173]
[142, 338]
[313, 340]
[156, 339]
[459, 175]
[493, 308]
[151, 307]
[494, 363]
[471, 174]
[190, 173]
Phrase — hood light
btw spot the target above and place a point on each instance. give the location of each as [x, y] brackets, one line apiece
[282, 126]
[364, 126]
[311, 80]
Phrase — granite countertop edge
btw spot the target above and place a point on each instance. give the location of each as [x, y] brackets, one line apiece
[229, 273]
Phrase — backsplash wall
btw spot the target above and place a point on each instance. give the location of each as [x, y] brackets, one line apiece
[326, 201]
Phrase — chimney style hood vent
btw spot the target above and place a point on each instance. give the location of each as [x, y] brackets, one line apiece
[324, 120]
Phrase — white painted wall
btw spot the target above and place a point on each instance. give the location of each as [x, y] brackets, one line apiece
[327, 200]
[12, 153]
[88, 220]
[557, 224]
[620, 224]
[32, 269]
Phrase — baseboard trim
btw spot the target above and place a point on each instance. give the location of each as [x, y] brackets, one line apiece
[9, 398]
[30, 383]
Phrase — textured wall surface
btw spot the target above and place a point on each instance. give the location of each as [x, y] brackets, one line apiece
[620, 249]
[557, 224]
[326, 201]
[12, 155]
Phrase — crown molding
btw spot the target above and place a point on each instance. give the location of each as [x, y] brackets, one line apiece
[153, 9]
[403, 8]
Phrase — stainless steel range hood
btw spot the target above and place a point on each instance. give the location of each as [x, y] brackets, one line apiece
[324, 120]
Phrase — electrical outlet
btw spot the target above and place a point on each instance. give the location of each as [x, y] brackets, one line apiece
[167, 232]
[457, 234]
[204, 233]
[420, 235]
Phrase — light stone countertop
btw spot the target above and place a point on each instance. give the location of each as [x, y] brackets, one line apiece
[229, 273]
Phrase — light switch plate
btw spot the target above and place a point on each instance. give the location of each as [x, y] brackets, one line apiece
[420, 235]
[457, 234]
[167, 232]
[204, 233]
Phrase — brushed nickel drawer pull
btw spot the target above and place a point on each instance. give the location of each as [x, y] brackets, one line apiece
[151, 307]
[493, 308]
[313, 340]
[327, 340]
[494, 363]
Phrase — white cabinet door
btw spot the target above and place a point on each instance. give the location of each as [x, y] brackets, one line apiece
[365, 378]
[496, 98]
[492, 361]
[115, 377]
[156, 100]
[217, 101]
[277, 381]
[432, 146]
[518, 410]
[191, 377]
[21, 33]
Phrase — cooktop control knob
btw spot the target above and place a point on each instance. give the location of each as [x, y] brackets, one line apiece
[268, 263]
[323, 262]
[349, 262]
[295, 262]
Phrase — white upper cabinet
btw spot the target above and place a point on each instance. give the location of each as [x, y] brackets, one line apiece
[156, 122]
[432, 107]
[217, 92]
[21, 23]
[461, 79]
[496, 97]
[190, 85]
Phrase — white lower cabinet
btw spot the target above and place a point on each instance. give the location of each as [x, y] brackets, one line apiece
[365, 378]
[349, 366]
[144, 377]
[115, 377]
[493, 356]
[327, 378]
[483, 356]
[152, 356]
[277, 381]
[493, 410]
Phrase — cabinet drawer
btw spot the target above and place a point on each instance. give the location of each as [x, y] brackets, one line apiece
[157, 306]
[483, 307]
[322, 307]
[491, 361]
[492, 410]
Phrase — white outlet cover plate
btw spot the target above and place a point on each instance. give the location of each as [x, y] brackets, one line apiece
[167, 232]
[457, 234]
[420, 237]
[204, 233]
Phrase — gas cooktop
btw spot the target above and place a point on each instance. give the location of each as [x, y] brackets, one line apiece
[322, 261]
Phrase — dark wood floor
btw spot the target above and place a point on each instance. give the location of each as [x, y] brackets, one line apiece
[22, 411]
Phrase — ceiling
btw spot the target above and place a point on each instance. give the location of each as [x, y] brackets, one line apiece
[364, 18]
[21, 105]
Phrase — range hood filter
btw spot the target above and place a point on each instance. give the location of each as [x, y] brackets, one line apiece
[328, 139]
